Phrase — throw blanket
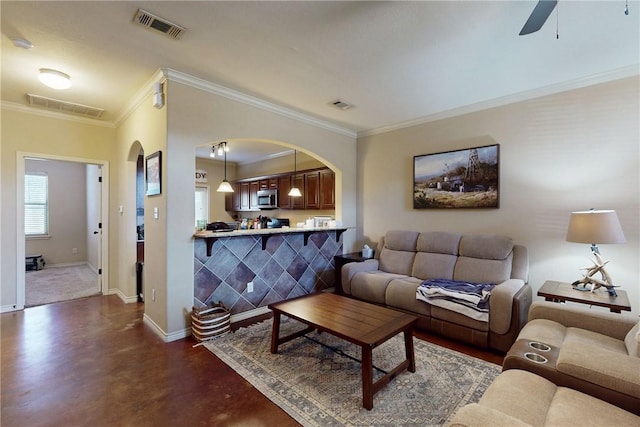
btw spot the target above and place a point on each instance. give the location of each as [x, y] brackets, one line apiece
[469, 299]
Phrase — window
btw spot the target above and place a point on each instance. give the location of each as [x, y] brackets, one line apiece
[36, 204]
[202, 204]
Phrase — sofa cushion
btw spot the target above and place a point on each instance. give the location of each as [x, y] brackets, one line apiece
[572, 408]
[438, 242]
[482, 270]
[486, 246]
[632, 341]
[545, 331]
[401, 293]
[522, 395]
[433, 266]
[372, 285]
[600, 360]
[398, 252]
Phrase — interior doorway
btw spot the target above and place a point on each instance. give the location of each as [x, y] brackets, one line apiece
[73, 253]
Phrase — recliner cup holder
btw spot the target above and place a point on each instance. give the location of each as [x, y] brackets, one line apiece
[535, 357]
[539, 346]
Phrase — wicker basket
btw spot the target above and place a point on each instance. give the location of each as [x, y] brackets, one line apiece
[210, 322]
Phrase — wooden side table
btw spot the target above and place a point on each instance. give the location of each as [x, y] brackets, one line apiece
[561, 292]
[339, 261]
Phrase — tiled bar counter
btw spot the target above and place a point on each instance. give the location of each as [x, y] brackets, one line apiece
[281, 263]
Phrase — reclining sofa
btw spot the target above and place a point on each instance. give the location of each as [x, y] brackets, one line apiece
[404, 259]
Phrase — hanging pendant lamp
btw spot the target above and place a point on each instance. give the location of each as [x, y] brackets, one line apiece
[225, 186]
[295, 191]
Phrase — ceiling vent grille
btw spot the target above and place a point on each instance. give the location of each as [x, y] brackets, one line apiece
[64, 106]
[149, 20]
[341, 104]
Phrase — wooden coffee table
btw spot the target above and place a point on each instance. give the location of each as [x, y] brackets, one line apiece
[358, 322]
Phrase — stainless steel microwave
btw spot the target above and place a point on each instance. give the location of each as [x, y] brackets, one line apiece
[268, 199]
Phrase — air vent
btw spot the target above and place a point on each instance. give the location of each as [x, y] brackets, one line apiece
[64, 106]
[152, 21]
[341, 104]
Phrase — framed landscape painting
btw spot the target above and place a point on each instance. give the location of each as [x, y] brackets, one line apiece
[154, 174]
[466, 178]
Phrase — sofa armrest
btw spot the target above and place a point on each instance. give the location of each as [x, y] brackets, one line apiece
[501, 305]
[350, 269]
[615, 325]
[475, 415]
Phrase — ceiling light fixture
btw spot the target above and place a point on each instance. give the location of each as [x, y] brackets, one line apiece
[225, 186]
[23, 43]
[54, 79]
[294, 191]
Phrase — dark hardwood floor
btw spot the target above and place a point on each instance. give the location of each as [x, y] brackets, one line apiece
[92, 362]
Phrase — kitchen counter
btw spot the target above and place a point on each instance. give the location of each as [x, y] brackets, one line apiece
[211, 236]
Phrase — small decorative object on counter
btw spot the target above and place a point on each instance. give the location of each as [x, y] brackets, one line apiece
[210, 322]
[367, 252]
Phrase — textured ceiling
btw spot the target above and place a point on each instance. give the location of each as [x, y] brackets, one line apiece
[397, 62]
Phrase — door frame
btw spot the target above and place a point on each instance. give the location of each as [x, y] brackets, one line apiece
[21, 156]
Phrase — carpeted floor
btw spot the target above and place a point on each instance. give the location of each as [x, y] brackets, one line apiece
[319, 386]
[55, 284]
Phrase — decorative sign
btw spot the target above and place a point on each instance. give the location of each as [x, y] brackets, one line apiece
[201, 175]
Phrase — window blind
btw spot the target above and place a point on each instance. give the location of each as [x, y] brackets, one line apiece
[36, 204]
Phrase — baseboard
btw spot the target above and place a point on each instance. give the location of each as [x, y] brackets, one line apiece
[174, 336]
[123, 297]
[8, 308]
[249, 314]
[65, 264]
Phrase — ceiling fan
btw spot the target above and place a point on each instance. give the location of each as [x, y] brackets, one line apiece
[539, 16]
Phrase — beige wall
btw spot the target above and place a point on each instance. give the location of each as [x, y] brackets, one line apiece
[67, 213]
[197, 117]
[571, 151]
[38, 135]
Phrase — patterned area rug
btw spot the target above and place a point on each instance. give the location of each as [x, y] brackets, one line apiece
[317, 378]
[55, 284]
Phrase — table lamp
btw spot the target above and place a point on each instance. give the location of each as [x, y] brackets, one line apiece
[595, 227]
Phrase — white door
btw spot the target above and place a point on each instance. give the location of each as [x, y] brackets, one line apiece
[94, 219]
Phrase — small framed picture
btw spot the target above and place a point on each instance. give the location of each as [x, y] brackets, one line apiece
[154, 173]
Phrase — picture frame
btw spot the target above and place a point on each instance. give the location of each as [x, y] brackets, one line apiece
[466, 178]
[153, 168]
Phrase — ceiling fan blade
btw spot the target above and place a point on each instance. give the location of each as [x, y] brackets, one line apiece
[539, 16]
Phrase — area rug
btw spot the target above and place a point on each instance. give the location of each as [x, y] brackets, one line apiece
[317, 378]
[57, 284]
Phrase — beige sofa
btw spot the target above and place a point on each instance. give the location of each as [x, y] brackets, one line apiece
[593, 351]
[404, 259]
[519, 398]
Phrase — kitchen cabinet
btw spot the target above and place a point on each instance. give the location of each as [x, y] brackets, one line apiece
[317, 187]
[327, 191]
[311, 190]
[284, 185]
[244, 196]
[298, 181]
[254, 186]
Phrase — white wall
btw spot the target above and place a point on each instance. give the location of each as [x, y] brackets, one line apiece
[561, 153]
[67, 213]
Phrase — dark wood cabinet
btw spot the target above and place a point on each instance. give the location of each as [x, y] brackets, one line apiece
[327, 189]
[298, 181]
[253, 195]
[244, 196]
[284, 185]
[312, 190]
[316, 185]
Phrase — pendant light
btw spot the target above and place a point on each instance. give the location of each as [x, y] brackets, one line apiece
[224, 187]
[295, 191]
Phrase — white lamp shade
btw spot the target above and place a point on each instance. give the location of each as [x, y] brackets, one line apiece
[225, 187]
[295, 192]
[595, 227]
[54, 79]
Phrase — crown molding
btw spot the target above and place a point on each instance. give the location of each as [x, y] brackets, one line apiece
[197, 83]
[143, 93]
[20, 108]
[617, 74]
